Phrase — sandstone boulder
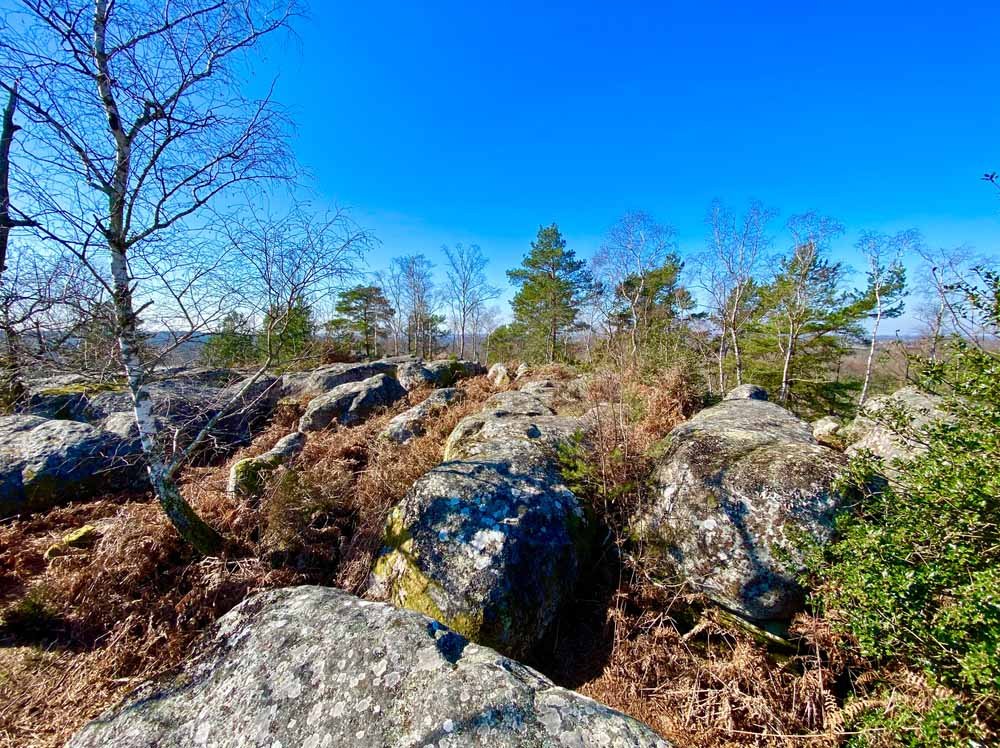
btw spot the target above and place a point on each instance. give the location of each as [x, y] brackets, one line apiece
[874, 429]
[325, 378]
[747, 392]
[349, 404]
[826, 430]
[317, 668]
[444, 373]
[45, 462]
[248, 476]
[738, 487]
[413, 422]
[490, 542]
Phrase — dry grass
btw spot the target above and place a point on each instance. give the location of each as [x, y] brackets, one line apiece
[82, 629]
[637, 641]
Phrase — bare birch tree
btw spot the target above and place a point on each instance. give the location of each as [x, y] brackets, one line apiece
[730, 272]
[633, 249]
[467, 290]
[138, 125]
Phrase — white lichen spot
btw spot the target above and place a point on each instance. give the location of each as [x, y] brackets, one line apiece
[448, 726]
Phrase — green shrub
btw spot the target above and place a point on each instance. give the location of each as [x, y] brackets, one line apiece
[915, 574]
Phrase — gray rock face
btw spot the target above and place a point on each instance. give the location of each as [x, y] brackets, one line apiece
[445, 373]
[869, 430]
[48, 462]
[747, 392]
[349, 404]
[247, 476]
[412, 423]
[325, 378]
[738, 486]
[489, 542]
[315, 667]
[184, 402]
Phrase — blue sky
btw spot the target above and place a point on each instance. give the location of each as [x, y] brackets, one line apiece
[464, 122]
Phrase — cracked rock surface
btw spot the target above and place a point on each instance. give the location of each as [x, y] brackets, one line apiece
[318, 668]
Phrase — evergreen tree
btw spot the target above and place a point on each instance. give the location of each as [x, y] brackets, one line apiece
[808, 319]
[552, 284]
[364, 311]
[232, 345]
[287, 333]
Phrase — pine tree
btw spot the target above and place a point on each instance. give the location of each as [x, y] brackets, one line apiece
[364, 311]
[552, 284]
[808, 318]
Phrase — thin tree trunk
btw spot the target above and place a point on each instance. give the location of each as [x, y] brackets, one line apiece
[871, 352]
[786, 372]
[188, 524]
[737, 354]
[721, 356]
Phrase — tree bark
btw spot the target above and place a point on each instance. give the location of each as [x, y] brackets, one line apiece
[871, 349]
[191, 528]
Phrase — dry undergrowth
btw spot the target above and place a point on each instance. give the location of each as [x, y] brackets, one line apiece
[82, 629]
[651, 648]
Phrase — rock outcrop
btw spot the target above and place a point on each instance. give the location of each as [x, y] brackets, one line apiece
[248, 476]
[490, 542]
[747, 392]
[48, 462]
[872, 430]
[826, 430]
[419, 373]
[349, 404]
[413, 422]
[317, 668]
[325, 378]
[739, 486]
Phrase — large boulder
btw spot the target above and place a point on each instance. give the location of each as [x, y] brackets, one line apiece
[489, 542]
[418, 373]
[318, 668]
[182, 401]
[413, 422]
[325, 378]
[349, 404]
[738, 488]
[873, 430]
[747, 392]
[48, 462]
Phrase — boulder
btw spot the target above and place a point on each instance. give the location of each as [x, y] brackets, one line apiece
[521, 371]
[45, 462]
[872, 430]
[747, 392]
[412, 423]
[318, 668]
[735, 492]
[498, 375]
[326, 378]
[248, 476]
[418, 373]
[826, 429]
[489, 542]
[350, 404]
